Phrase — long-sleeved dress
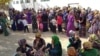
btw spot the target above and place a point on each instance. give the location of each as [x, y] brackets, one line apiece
[4, 26]
[34, 23]
[70, 24]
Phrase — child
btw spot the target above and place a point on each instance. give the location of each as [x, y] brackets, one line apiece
[53, 25]
[25, 25]
[40, 26]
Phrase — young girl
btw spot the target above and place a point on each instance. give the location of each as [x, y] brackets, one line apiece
[53, 25]
[25, 23]
[40, 26]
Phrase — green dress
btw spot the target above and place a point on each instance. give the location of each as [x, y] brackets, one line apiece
[4, 26]
[90, 52]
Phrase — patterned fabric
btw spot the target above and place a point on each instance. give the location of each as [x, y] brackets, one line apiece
[39, 53]
[93, 28]
[82, 30]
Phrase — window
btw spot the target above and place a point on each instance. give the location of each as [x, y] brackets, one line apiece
[44, 0]
[21, 1]
[27, 1]
[17, 2]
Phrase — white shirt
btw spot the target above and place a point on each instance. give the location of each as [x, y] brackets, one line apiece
[24, 22]
[54, 22]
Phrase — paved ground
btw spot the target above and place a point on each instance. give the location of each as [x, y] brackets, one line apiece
[8, 44]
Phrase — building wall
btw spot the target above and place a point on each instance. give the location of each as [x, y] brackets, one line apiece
[94, 4]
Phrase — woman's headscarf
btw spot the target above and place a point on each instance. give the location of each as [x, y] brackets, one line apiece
[87, 45]
[22, 42]
[71, 51]
[92, 37]
[38, 35]
[72, 33]
[55, 39]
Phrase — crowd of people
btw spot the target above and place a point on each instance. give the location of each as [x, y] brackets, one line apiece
[68, 18]
[81, 20]
[72, 20]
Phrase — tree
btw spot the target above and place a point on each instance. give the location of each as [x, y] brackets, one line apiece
[3, 4]
[4, 1]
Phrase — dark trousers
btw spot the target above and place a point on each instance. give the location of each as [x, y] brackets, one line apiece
[26, 29]
[53, 28]
[45, 26]
[59, 28]
[1, 31]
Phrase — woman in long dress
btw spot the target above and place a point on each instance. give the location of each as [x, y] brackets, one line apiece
[82, 24]
[34, 23]
[94, 25]
[4, 23]
[45, 21]
[70, 24]
[29, 14]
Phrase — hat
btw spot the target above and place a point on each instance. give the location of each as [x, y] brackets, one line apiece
[38, 35]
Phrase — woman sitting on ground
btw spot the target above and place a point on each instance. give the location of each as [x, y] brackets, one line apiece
[23, 46]
[88, 50]
[74, 40]
[55, 48]
[39, 45]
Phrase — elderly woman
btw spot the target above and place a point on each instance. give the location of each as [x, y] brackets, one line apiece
[74, 40]
[55, 48]
[23, 46]
[39, 44]
[88, 50]
[95, 41]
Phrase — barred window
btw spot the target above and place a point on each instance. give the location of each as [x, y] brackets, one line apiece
[21, 1]
[17, 2]
[27, 1]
